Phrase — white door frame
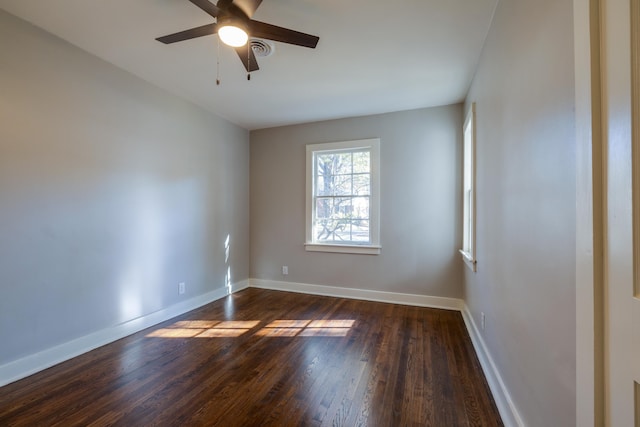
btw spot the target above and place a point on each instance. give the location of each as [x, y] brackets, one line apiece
[590, 216]
[606, 342]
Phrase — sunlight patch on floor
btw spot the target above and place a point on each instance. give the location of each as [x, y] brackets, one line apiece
[307, 328]
[236, 328]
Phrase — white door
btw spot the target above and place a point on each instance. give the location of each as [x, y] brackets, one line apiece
[621, 20]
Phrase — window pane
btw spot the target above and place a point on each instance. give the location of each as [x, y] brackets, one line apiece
[360, 207]
[342, 231]
[342, 163]
[334, 185]
[323, 208]
[321, 185]
[342, 207]
[360, 231]
[334, 164]
[324, 185]
[361, 162]
[330, 229]
[362, 185]
[342, 185]
[324, 164]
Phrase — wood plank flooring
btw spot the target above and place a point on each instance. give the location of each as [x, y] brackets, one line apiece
[269, 358]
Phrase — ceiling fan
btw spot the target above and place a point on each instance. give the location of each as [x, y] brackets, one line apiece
[234, 26]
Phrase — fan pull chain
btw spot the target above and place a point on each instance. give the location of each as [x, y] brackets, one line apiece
[218, 65]
[249, 60]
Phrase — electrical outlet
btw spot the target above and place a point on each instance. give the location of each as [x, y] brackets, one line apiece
[181, 288]
[482, 320]
[285, 270]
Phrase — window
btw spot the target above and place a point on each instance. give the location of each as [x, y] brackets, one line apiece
[343, 197]
[468, 250]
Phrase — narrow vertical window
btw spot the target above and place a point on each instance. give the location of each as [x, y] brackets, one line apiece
[343, 197]
[468, 250]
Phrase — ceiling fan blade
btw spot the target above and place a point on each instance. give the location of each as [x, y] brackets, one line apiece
[248, 58]
[271, 32]
[192, 33]
[208, 7]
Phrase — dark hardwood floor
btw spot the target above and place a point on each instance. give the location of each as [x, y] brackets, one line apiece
[268, 358]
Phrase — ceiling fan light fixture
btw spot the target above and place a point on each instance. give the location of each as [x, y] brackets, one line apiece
[233, 33]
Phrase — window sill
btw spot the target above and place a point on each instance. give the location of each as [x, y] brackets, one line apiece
[469, 261]
[343, 249]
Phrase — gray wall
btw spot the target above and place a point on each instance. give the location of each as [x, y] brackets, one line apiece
[112, 192]
[420, 232]
[526, 168]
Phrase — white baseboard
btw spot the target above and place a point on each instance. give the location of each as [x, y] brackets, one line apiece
[237, 287]
[362, 294]
[37, 362]
[508, 411]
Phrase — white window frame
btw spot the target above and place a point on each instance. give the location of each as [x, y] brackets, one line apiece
[468, 250]
[373, 247]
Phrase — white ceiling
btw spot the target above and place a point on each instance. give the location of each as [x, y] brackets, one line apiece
[374, 56]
